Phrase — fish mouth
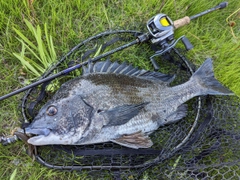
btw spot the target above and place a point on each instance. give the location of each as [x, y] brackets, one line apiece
[36, 140]
[37, 131]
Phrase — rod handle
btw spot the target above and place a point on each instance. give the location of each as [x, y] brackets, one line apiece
[181, 22]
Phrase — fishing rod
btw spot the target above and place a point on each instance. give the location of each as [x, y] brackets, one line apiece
[186, 20]
[161, 32]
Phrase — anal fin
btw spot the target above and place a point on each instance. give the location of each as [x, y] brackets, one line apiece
[180, 113]
[136, 140]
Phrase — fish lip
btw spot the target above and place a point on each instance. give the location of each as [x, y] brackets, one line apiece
[37, 131]
[34, 140]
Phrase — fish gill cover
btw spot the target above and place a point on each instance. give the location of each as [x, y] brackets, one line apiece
[203, 145]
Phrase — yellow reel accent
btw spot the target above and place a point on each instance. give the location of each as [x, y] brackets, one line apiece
[164, 21]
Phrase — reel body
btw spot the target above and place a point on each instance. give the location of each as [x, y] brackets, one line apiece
[161, 28]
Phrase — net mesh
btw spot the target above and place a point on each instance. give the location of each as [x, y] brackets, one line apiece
[203, 145]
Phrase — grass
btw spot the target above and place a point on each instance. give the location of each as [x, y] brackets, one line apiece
[69, 22]
[44, 54]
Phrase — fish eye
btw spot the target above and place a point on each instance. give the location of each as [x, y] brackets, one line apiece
[51, 110]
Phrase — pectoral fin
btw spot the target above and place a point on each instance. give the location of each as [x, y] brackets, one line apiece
[135, 140]
[121, 114]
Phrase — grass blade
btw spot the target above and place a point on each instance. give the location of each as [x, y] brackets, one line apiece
[35, 65]
[24, 38]
[29, 48]
[50, 45]
[98, 51]
[41, 47]
[30, 27]
[13, 175]
[26, 64]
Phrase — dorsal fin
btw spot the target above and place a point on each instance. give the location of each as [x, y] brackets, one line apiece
[108, 67]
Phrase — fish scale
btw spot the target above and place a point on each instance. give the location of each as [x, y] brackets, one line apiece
[118, 103]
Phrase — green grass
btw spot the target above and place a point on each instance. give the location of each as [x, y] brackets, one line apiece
[43, 53]
[69, 22]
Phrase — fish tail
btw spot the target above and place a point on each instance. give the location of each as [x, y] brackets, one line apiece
[204, 76]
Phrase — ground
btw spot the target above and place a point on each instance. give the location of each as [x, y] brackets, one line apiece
[214, 35]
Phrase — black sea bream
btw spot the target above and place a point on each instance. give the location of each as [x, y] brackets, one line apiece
[118, 103]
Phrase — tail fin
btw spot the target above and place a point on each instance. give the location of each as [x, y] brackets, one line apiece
[205, 77]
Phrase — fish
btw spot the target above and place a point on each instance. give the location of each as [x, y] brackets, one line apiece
[119, 103]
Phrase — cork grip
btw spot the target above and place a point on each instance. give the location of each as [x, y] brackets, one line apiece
[181, 22]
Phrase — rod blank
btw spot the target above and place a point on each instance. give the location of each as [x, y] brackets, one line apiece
[186, 20]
